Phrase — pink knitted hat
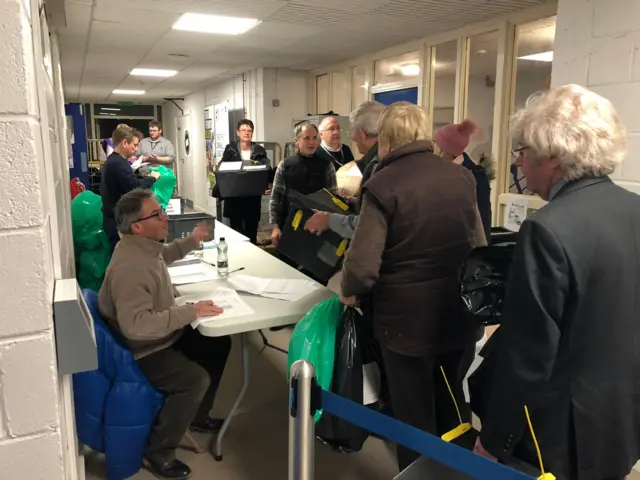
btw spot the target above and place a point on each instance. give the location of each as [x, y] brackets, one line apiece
[454, 139]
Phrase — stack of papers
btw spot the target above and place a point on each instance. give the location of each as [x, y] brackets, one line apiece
[226, 298]
[138, 163]
[184, 274]
[280, 289]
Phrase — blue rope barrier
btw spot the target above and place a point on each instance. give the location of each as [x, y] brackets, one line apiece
[427, 445]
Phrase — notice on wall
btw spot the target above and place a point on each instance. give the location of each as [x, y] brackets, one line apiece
[221, 129]
[516, 212]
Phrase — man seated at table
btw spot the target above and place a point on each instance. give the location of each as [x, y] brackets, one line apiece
[137, 300]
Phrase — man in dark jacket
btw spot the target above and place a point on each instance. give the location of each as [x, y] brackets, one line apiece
[118, 177]
[568, 346]
[364, 133]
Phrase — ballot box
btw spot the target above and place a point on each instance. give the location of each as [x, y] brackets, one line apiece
[242, 179]
[430, 469]
[319, 255]
[181, 226]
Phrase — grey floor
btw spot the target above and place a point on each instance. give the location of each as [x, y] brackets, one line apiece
[256, 444]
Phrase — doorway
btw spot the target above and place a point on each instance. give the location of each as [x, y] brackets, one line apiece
[184, 163]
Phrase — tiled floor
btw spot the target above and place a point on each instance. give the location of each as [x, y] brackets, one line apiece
[256, 445]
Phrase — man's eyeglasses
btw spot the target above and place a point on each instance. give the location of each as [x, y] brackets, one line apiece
[518, 152]
[161, 213]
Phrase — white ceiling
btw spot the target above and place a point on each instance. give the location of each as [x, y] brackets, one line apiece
[105, 39]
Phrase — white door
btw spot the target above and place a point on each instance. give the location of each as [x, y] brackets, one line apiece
[184, 162]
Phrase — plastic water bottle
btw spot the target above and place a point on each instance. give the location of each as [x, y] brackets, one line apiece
[223, 258]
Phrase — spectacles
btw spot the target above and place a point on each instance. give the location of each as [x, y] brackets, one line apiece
[153, 215]
[517, 152]
[332, 129]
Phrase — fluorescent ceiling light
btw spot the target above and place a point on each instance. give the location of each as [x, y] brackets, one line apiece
[111, 109]
[410, 70]
[539, 57]
[197, 22]
[153, 72]
[128, 92]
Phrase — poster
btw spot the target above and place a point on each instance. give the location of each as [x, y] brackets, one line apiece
[221, 129]
[208, 139]
[516, 212]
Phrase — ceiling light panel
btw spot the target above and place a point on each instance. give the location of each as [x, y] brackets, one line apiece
[153, 72]
[539, 57]
[197, 22]
[118, 91]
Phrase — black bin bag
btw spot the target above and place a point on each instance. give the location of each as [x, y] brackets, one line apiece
[355, 348]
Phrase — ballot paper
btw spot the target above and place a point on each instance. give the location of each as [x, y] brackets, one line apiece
[230, 166]
[226, 298]
[249, 168]
[277, 288]
[184, 274]
[138, 163]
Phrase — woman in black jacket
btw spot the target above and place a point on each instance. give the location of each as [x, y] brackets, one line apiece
[452, 141]
[244, 212]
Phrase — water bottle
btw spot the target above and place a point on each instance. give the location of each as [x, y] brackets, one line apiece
[223, 258]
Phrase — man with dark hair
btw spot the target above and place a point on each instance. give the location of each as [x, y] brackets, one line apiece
[155, 148]
[137, 301]
[118, 178]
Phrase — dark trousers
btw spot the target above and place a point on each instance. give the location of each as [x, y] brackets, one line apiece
[188, 373]
[419, 394]
[109, 226]
[247, 225]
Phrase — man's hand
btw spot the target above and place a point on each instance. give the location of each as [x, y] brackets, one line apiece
[207, 308]
[275, 235]
[479, 450]
[202, 232]
[152, 158]
[155, 175]
[318, 223]
[349, 301]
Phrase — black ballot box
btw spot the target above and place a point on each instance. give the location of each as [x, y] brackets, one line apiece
[320, 255]
[181, 226]
[242, 179]
[430, 469]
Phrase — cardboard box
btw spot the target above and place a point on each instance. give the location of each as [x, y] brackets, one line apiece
[242, 179]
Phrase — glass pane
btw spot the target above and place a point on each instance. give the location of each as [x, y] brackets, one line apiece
[341, 93]
[398, 68]
[534, 49]
[124, 110]
[444, 63]
[322, 94]
[359, 86]
[481, 91]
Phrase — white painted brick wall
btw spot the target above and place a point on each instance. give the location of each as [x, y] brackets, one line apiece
[598, 45]
[30, 411]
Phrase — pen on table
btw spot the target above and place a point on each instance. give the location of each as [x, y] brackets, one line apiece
[236, 270]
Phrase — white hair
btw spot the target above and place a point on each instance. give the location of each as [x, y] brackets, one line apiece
[576, 126]
[366, 116]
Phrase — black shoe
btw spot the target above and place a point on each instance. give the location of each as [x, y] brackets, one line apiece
[173, 470]
[210, 425]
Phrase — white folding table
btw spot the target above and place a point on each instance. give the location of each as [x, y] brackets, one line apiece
[229, 234]
[268, 312]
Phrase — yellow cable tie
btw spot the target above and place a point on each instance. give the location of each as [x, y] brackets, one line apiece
[544, 476]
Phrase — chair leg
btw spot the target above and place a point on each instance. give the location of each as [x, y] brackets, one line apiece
[195, 444]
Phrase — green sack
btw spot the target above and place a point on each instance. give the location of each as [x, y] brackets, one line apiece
[164, 186]
[95, 261]
[314, 340]
[86, 221]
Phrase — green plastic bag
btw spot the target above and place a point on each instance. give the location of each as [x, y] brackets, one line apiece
[164, 186]
[314, 340]
[86, 221]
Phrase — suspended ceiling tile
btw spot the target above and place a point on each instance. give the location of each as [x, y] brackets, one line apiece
[259, 9]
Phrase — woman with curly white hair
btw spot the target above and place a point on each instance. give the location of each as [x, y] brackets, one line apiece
[569, 346]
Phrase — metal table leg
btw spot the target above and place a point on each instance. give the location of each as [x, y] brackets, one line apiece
[217, 454]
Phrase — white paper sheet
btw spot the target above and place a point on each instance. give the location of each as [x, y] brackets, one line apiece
[226, 298]
[138, 163]
[516, 213]
[184, 274]
[254, 167]
[278, 288]
[230, 166]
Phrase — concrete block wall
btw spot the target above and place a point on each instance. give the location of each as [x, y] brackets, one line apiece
[31, 414]
[597, 45]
